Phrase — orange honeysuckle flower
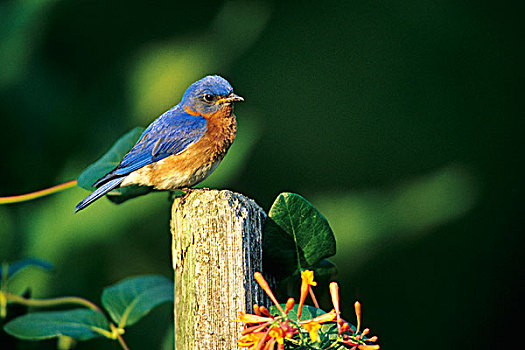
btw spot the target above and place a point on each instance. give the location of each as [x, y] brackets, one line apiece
[312, 328]
[270, 345]
[368, 347]
[357, 307]
[364, 332]
[359, 343]
[263, 331]
[250, 340]
[348, 340]
[307, 280]
[254, 329]
[264, 285]
[356, 339]
[264, 310]
[289, 305]
[327, 317]
[307, 276]
[277, 333]
[250, 318]
[313, 325]
[289, 331]
[334, 293]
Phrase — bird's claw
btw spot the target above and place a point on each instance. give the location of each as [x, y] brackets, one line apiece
[185, 195]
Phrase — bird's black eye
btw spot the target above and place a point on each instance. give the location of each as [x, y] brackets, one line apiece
[208, 98]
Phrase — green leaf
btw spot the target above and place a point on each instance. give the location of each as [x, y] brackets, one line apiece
[108, 162]
[308, 312]
[20, 265]
[296, 236]
[130, 300]
[329, 333]
[81, 324]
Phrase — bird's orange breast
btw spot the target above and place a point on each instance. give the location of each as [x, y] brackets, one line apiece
[194, 164]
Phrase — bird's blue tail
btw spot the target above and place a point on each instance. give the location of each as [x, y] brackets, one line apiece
[99, 192]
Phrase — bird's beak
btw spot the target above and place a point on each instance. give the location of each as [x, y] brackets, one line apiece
[230, 98]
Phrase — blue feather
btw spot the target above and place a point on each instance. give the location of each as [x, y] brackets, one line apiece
[99, 192]
[169, 134]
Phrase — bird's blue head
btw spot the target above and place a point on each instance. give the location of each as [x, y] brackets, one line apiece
[208, 95]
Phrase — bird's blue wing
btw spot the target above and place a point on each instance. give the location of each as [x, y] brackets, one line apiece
[169, 134]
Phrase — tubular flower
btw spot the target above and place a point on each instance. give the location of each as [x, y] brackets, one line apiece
[264, 285]
[357, 339]
[357, 307]
[334, 293]
[285, 330]
[270, 345]
[250, 341]
[250, 318]
[289, 305]
[265, 330]
[307, 277]
[327, 317]
[312, 328]
[278, 334]
[307, 280]
[313, 325]
[368, 347]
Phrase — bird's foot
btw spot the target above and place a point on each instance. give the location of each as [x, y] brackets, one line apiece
[187, 193]
[182, 196]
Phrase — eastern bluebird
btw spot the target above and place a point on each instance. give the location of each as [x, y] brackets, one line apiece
[182, 146]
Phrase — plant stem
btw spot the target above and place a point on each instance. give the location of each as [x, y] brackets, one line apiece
[38, 194]
[51, 302]
[122, 342]
[314, 299]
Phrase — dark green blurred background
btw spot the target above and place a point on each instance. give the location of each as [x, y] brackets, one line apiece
[400, 120]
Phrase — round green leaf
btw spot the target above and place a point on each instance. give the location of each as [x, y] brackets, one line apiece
[130, 300]
[296, 236]
[81, 324]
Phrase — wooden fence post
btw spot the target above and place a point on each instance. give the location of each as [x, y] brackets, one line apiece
[217, 246]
